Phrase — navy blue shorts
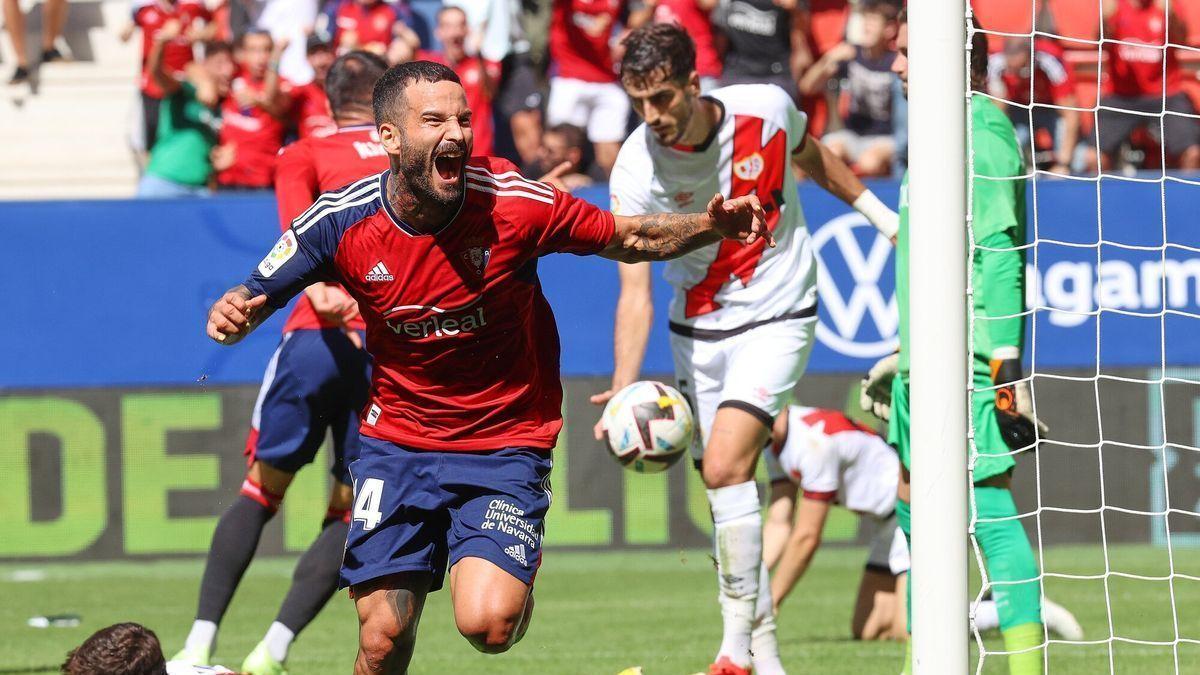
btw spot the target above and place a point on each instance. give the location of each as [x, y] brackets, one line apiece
[423, 511]
[316, 381]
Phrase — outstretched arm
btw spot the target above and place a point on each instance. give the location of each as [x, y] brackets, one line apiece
[832, 174]
[663, 236]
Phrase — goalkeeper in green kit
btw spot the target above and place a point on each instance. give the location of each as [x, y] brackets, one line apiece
[1001, 406]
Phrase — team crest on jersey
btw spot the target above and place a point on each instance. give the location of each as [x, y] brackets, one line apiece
[477, 257]
[749, 168]
[284, 249]
[683, 199]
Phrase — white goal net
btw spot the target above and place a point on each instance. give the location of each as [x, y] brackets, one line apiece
[1103, 95]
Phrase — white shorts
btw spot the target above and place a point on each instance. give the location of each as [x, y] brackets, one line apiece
[755, 371]
[599, 107]
[889, 550]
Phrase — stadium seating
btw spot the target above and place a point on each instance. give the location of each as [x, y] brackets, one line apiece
[70, 140]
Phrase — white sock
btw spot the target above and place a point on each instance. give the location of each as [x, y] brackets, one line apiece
[203, 636]
[763, 647]
[987, 616]
[737, 532]
[278, 639]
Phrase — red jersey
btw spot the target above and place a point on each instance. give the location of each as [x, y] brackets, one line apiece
[1138, 71]
[311, 166]
[371, 24]
[464, 343]
[472, 71]
[1052, 80]
[310, 109]
[178, 52]
[256, 134]
[580, 32]
[696, 22]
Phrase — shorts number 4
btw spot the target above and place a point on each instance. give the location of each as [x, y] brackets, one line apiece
[366, 503]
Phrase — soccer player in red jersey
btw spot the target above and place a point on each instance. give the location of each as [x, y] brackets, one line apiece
[1140, 82]
[441, 253]
[479, 76]
[316, 381]
[253, 117]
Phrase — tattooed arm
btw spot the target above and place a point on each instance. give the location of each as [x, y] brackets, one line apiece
[662, 236]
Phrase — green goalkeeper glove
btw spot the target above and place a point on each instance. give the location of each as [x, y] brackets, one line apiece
[1014, 405]
[875, 392]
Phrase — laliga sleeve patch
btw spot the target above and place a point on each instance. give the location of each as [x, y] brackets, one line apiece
[284, 249]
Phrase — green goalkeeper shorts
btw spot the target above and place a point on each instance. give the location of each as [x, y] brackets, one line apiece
[993, 457]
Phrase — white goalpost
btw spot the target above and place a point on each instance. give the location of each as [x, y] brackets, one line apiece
[938, 103]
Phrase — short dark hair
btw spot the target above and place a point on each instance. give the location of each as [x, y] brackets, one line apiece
[214, 47]
[240, 41]
[886, 8]
[979, 56]
[389, 90]
[573, 135]
[351, 80]
[120, 649]
[658, 48]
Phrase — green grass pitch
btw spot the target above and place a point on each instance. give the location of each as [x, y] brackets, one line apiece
[596, 613]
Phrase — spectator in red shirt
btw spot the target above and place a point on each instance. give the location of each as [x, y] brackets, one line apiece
[584, 90]
[373, 26]
[1055, 131]
[1140, 82]
[479, 76]
[310, 105]
[253, 116]
[196, 25]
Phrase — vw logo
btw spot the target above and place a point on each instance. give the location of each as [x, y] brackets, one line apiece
[856, 318]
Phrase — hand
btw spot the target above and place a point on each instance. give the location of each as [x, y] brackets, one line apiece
[223, 156]
[280, 46]
[1014, 406]
[875, 394]
[741, 218]
[602, 399]
[332, 303]
[126, 32]
[1060, 168]
[230, 318]
[554, 176]
[843, 51]
[169, 30]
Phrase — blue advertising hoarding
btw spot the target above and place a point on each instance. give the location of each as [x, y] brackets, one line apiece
[115, 292]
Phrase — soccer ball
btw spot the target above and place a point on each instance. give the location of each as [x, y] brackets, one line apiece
[648, 426]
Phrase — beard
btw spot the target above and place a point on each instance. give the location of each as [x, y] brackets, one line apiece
[416, 170]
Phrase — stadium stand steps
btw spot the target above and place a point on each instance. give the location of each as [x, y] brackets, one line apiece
[67, 136]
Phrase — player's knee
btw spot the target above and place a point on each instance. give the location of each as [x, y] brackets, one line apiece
[490, 633]
[719, 472]
[379, 639]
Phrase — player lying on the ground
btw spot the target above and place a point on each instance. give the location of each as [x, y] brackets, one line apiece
[742, 318]
[1001, 405]
[316, 382]
[127, 649]
[828, 458]
[440, 252]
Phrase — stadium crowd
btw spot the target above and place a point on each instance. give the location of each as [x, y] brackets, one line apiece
[226, 83]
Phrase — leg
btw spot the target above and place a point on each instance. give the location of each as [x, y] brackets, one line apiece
[1180, 135]
[875, 605]
[233, 544]
[491, 606]
[607, 121]
[389, 609]
[14, 21]
[54, 19]
[314, 582]
[876, 159]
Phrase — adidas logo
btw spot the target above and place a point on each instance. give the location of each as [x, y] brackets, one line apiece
[379, 273]
[517, 552]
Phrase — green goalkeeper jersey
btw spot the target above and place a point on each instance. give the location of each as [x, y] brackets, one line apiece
[998, 227]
